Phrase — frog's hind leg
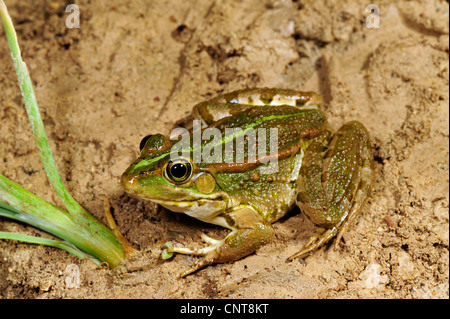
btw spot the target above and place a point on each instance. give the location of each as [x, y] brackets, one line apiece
[226, 105]
[273, 97]
[334, 183]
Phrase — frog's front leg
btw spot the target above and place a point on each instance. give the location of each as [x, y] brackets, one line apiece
[249, 231]
[335, 182]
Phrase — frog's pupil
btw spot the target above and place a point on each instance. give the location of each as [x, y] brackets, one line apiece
[178, 170]
[144, 140]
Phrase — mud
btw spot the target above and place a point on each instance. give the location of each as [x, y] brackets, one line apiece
[136, 67]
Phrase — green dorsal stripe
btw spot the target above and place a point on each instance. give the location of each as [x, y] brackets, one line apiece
[225, 139]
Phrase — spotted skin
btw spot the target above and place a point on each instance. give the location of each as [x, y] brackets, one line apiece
[328, 175]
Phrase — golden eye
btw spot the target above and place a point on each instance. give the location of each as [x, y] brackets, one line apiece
[179, 170]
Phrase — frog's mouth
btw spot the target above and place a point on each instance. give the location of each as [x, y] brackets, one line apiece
[202, 208]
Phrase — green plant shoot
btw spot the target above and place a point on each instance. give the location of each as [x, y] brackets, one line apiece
[83, 235]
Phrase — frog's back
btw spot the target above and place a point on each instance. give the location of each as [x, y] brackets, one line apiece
[267, 181]
[270, 194]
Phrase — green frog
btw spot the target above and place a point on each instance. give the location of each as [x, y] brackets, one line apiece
[250, 156]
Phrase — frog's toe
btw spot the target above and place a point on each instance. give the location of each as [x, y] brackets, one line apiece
[182, 250]
[320, 238]
[212, 241]
[199, 265]
[213, 244]
[209, 254]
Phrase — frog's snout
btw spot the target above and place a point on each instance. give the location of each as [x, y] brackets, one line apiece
[129, 182]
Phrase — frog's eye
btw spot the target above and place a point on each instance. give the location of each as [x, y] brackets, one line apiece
[144, 140]
[179, 170]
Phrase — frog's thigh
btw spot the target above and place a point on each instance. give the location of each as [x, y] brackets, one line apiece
[227, 104]
[335, 182]
[271, 96]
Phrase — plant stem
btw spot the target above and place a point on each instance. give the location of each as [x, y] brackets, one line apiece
[37, 126]
[19, 204]
[76, 226]
[48, 242]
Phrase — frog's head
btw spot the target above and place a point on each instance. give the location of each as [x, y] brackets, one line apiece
[175, 183]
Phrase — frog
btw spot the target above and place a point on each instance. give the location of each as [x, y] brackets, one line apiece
[328, 174]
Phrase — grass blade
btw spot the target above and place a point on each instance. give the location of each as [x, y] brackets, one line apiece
[48, 242]
[21, 205]
[76, 226]
[31, 106]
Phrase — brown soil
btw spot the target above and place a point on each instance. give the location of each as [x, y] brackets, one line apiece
[135, 67]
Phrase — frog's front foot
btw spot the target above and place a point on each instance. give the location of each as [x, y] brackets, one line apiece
[334, 183]
[249, 231]
[209, 253]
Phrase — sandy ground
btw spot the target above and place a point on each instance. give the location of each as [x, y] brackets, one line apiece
[135, 67]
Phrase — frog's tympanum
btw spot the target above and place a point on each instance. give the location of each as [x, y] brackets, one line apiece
[280, 152]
